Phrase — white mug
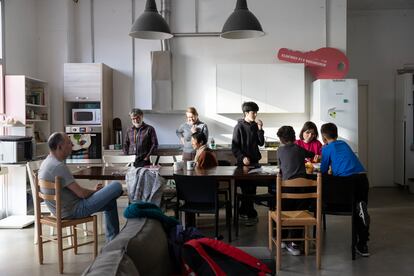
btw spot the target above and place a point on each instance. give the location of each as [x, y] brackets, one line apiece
[190, 165]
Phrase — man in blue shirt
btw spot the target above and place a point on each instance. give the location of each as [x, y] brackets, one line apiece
[345, 166]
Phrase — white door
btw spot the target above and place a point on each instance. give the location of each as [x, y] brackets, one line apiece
[363, 123]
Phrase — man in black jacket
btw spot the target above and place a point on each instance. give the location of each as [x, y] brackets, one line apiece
[248, 135]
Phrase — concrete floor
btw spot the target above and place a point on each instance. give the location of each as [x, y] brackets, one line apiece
[391, 245]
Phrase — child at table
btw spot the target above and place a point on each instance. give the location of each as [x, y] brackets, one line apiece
[309, 141]
[345, 166]
[290, 159]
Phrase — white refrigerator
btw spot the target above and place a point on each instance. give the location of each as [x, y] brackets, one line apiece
[336, 101]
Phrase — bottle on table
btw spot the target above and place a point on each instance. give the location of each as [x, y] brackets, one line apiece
[212, 143]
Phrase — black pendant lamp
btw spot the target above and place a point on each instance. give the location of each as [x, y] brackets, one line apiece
[241, 23]
[150, 25]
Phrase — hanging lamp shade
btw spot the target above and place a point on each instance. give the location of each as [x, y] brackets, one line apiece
[150, 24]
[241, 23]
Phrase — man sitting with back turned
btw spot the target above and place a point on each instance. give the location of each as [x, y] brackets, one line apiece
[78, 202]
[346, 167]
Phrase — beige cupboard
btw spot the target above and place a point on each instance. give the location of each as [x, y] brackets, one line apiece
[276, 88]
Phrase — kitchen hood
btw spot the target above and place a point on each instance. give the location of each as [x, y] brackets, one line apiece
[161, 81]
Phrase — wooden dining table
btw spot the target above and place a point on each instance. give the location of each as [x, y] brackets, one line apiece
[220, 172]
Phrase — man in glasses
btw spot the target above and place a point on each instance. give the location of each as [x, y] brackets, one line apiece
[141, 139]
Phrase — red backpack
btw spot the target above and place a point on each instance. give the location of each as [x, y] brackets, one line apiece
[207, 256]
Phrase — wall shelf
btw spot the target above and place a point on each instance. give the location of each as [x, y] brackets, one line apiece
[27, 97]
[36, 105]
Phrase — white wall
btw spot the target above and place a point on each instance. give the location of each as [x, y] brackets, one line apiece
[379, 42]
[64, 35]
[286, 24]
[20, 37]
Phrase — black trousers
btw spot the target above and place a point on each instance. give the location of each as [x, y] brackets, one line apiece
[361, 186]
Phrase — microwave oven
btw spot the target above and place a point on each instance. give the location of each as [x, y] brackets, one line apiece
[86, 116]
[14, 149]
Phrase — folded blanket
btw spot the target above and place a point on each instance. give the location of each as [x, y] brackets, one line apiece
[150, 210]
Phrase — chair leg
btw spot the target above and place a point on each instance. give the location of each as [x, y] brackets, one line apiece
[278, 247]
[39, 242]
[236, 216]
[306, 234]
[235, 207]
[228, 218]
[353, 243]
[270, 228]
[95, 237]
[318, 247]
[100, 222]
[60, 248]
[75, 240]
[217, 223]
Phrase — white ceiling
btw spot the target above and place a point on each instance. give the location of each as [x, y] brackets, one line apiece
[380, 4]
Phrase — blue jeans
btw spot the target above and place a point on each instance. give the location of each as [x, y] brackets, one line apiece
[102, 200]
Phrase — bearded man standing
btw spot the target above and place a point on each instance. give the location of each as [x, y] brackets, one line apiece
[141, 139]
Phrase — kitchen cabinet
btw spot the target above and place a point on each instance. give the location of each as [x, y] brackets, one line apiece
[89, 86]
[276, 88]
[86, 81]
[228, 88]
[27, 100]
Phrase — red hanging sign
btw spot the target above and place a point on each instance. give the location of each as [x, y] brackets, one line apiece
[324, 63]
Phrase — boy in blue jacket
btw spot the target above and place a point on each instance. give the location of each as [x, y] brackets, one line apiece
[346, 166]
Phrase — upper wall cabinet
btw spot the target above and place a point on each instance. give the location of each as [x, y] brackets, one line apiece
[85, 81]
[228, 97]
[276, 88]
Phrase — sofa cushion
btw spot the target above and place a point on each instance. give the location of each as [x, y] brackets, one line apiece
[112, 263]
[145, 242]
[149, 249]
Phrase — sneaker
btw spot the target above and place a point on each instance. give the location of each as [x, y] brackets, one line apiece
[363, 213]
[362, 249]
[251, 221]
[293, 249]
[243, 217]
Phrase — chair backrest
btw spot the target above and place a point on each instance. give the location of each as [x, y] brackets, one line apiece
[339, 195]
[299, 184]
[32, 168]
[166, 160]
[224, 163]
[55, 194]
[196, 189]
[110, 160]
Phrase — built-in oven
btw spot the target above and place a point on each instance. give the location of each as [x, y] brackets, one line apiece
[86, 144]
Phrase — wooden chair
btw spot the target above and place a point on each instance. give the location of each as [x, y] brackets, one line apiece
[298, 218]
[200, 195]
[58, 222]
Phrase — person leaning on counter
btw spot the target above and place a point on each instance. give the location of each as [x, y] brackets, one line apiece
[185, 131]
[141, 139]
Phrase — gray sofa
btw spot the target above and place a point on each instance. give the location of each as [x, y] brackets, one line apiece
[139, 249]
